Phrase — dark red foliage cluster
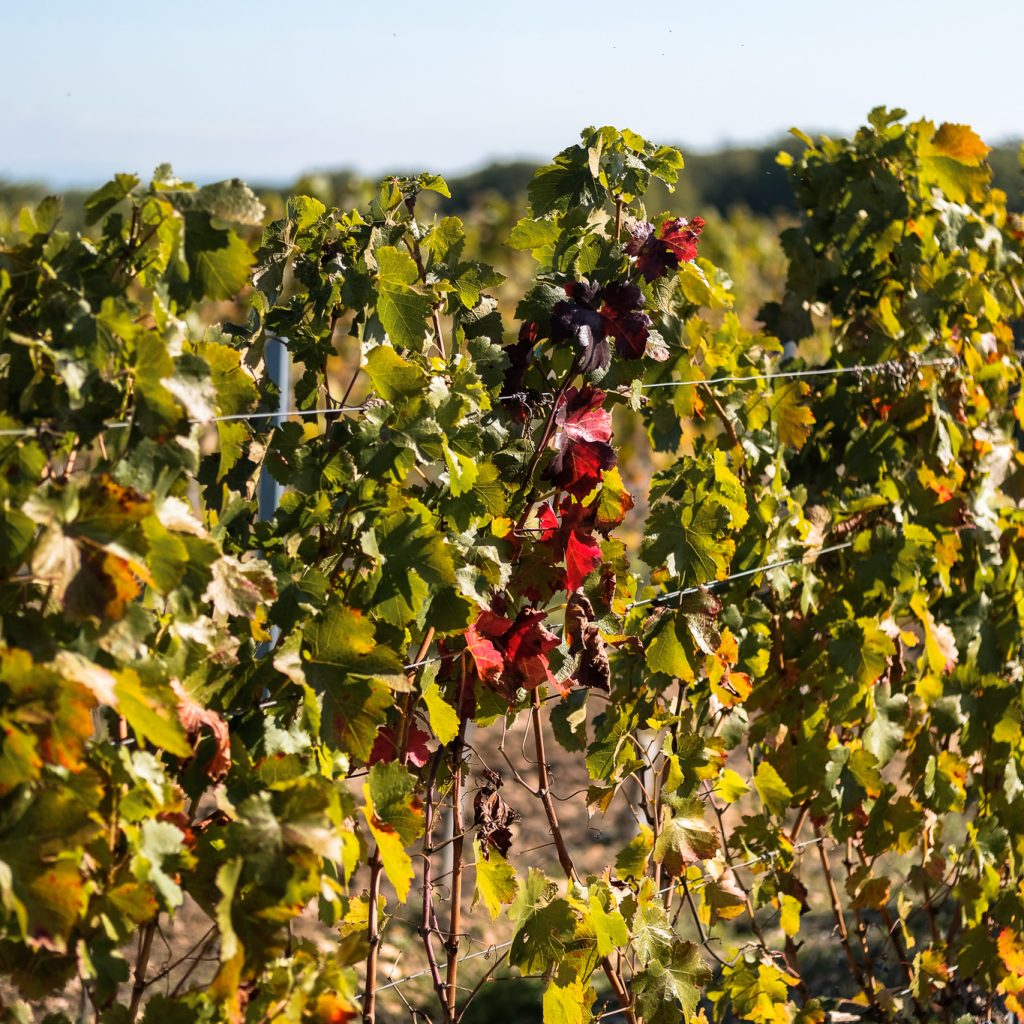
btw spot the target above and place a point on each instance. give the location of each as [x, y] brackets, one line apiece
[592, 314]
[660, 253]
[512, 653]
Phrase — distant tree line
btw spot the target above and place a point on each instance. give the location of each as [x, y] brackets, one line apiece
[746, 177]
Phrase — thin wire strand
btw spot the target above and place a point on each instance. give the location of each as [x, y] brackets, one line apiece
[422, 974]
[825, 371]
[199, 421]
[686, 591]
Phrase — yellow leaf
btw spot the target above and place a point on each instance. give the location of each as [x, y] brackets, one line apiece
[731, 786]
[792, 420]
[961, 143]
[790, 917]
[397, 863]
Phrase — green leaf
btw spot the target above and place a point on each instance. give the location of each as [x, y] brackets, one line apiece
[497, 883]
[352, 714]
[545, 924]
[150, 711]
[391, 789]
[669, 991]
[443, 720]
[159, 848]
[395, 860]
[395, 267]
[434, 183]
[861, 649]
[534, 234]
[403, 311]
[346, 639]
[462, 471]
[774, 793]
[666, 654]
[218, 260]
[730, 786]
[609, 927]
[106, 198]
[232, 201]
[393, 376]
[885, 734]
[632, 859]
[227, 882]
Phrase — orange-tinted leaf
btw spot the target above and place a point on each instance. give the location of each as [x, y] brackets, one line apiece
[194, 718]
[1011, 951]
[960, 142]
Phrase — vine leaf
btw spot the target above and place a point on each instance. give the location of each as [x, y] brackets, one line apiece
[391, 375]
[194, 718]
[403, 311]
[582, 557]
[583, 453]
[567, 1004]
[395, 820]
[773, 791]
[632, 859]
[443, 719]
[664, 988]
[497, 883]
[609, 926]
[149, 710]
[385, 747]
[724, 898]
[792, 420]
[685, 839]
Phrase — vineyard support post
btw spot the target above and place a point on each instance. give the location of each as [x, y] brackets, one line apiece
[269, 491]
[275, 357]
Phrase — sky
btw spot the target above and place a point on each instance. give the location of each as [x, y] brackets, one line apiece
[268, 90]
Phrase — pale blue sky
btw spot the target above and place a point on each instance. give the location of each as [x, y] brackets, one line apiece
[267, 90]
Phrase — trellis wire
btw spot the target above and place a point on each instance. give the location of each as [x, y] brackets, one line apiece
[826, 371]
[686, 591]
[198, 421]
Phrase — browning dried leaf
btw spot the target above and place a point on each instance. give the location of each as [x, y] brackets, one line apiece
[492, 816]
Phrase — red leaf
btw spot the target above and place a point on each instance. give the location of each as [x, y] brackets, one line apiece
[584, 430]
[385, 747]
[582, 556]
[582, 418]
[418, 754]
[526, 651]
[578, 468]
[680, 237]
[624, 320]
[547, 521]
[675, 243]
[487, 658]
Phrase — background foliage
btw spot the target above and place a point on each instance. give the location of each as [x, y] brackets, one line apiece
[519, 511]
